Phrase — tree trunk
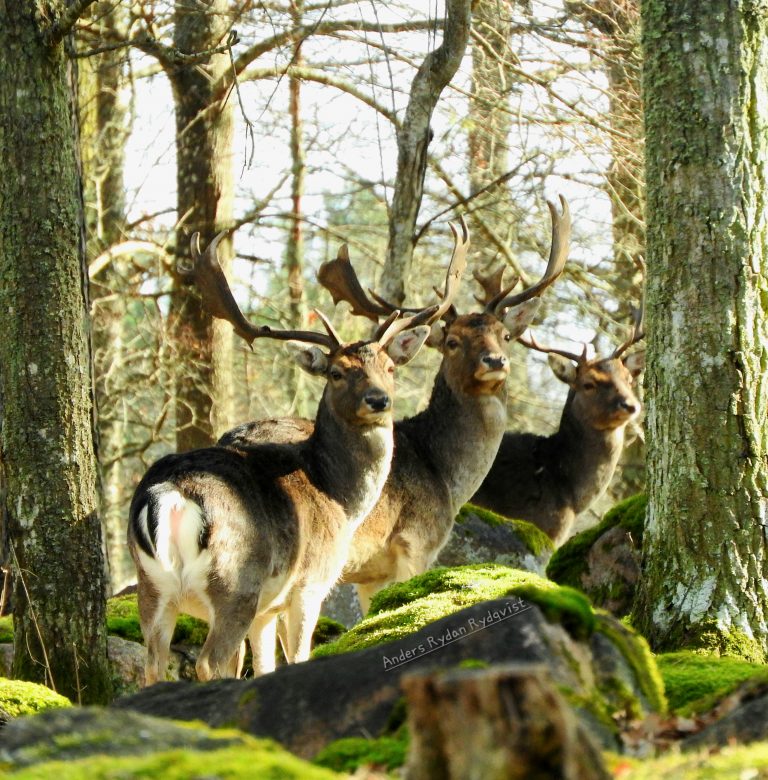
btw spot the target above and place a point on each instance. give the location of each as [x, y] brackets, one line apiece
[103, 134]
[413, 138]
[294, 260]
[502, 723]
[205, 192]
[47, 444]
[704, 565]
[488, 142]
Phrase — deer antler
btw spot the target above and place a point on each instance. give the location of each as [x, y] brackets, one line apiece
[340, 279]
[492, 284]
[561, 239]
[533, 344]
[209, 278]
[636, 333]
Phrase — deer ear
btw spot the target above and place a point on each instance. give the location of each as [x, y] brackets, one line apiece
[635, 363]
[404, 347]
[436, 335]
[312, 359]
[519, 317]
[563, 368]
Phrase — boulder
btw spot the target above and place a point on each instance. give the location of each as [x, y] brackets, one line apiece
[604, 561]
[482, 536]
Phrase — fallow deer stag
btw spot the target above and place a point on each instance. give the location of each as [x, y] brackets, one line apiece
[548, 480]
[443, 453]
[235, 535]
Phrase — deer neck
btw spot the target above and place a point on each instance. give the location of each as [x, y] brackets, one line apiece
[459, 435]
[588, 456]
[350, 463]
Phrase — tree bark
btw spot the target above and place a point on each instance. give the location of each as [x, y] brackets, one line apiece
[47, 443]
[413, 139]
[705, 565]
[205, 193]
[502, 723]
[102, 142]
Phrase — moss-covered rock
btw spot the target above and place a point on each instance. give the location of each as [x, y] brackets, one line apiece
[89, 743]
[624, 676]
[695, 682]
[604, 561]
[482, 536]
[20, 698]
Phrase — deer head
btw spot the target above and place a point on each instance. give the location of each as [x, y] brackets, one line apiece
[473, 345]
[602, 393]
[360, 376]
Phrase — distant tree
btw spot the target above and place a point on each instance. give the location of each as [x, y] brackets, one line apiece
[47, 439]
[704, 565]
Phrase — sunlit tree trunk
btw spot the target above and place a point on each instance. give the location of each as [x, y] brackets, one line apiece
[705, 86]
[47, 437]
[413, 138]
[205, 192]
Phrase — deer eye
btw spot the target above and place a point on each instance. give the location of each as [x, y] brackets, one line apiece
[336, 374]
[390, 369]
[507, 336]
[589, 385]
[452, 343]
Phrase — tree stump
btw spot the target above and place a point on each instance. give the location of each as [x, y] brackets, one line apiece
[501, 723]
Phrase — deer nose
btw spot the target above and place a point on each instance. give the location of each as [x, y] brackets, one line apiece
[494, 362]
[377, 400]
[627, 406]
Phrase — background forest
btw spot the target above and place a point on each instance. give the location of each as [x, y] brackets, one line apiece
[300, 155]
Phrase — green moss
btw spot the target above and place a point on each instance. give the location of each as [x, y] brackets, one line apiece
[6, 629]
[635, 650]
[19, 698]
[327, 630]
[695, 682]
[531, 536]
[568, 562]
[731, 763]
[473, 663]
[406, 607]
[259, 759]
[346, 755]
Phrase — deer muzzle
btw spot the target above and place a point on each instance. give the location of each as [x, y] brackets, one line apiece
[493, 367]
[375, 403]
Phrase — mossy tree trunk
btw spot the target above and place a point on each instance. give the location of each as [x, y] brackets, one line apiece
[47, 442]
[205, 193]
[705, 566]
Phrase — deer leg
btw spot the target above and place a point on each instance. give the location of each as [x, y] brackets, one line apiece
[157, 617]
[263, 636]
[366, 592]
[301, 619]
[222, 653]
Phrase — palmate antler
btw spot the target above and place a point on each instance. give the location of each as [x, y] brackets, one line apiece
[558, 254]
[209, 278]
[339, 278]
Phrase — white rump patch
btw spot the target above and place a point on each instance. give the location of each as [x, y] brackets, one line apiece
[179, 568]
